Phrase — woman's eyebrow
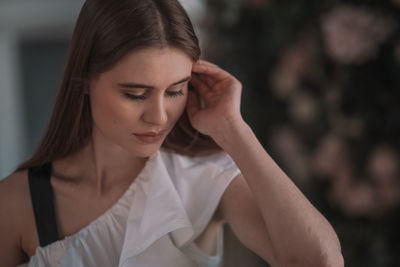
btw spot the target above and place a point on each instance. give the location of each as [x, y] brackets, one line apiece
[138, 85]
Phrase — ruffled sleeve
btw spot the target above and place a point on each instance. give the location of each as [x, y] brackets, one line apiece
[201, 182]
[181, 199]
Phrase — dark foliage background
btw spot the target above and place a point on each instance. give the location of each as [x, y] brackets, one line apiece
[321, 91]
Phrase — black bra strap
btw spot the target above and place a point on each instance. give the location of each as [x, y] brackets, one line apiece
[42, 202]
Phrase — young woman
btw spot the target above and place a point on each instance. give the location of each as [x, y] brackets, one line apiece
[146, 155]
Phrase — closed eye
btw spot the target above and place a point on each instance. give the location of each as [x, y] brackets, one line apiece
[135, 97]
[144, 96]
[174, 93]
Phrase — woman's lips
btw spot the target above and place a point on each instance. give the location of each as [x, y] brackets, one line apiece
[150, 137]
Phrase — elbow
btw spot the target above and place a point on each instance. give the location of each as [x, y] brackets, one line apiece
[333, 258]
[330, 252]
[337, 261]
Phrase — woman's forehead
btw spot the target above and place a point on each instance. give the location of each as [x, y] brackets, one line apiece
[152, 65]
[155, 56]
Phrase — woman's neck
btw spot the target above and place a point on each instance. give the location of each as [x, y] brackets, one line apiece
[99, 166]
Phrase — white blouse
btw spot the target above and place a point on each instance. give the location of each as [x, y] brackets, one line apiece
[156, 221]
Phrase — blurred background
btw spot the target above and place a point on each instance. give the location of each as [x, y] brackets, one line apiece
[321, 90]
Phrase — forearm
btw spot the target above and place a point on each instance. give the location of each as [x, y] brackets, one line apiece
[299, 234]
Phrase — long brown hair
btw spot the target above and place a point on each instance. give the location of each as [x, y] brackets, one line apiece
[105, 31]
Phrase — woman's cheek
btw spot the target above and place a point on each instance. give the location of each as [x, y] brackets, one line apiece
[182, 105]
[178, 109]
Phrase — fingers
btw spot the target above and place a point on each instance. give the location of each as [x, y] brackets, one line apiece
[211, 74]
[209, 69]
[202, 61]
[210, 81]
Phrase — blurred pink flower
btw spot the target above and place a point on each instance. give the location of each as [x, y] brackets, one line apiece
[352, 35]
[372, 197]
[383, 162]
[291, 153]
[383, 168]
[296, 62]
[330, 156]
[359, 200]
[304, 108]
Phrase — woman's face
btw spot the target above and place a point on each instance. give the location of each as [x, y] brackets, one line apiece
[143, 95]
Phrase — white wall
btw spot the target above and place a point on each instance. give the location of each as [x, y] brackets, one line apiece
[11, 126]
[28, 20]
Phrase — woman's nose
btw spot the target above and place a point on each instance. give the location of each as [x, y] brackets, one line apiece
[156, 112]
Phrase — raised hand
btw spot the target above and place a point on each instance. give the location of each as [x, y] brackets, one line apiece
[220, 95]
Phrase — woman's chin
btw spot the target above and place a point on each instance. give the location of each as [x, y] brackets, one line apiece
[146, 151]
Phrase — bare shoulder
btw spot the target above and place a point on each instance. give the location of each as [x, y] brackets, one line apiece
[15, 179]
[14, 191]
[15, 209]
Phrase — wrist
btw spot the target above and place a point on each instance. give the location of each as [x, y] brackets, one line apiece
[230, 132]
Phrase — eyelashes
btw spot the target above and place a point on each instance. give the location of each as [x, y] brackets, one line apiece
[170, 94]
